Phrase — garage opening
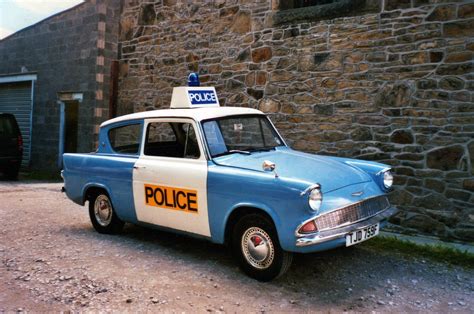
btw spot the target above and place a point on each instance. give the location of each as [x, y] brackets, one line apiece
[16, 97]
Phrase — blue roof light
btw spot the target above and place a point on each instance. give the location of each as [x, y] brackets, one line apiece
[193, 79]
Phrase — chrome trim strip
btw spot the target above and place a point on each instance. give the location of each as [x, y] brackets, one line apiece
[351, 204]
[310, 188]
[352, 222]
[382, 171]
[328, 235]
[276, 130]
[297, 234]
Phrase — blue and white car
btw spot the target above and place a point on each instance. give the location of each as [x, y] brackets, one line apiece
[225, 174]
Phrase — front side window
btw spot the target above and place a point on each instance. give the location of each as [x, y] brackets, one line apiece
[125, 139]
[171, 139]
[240, 134]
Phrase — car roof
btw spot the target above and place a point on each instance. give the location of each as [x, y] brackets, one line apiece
[197, 114]
[9, 115]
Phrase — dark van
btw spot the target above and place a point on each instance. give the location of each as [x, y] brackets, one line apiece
[11, 146]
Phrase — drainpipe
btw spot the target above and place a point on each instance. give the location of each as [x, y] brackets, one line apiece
[113, 88]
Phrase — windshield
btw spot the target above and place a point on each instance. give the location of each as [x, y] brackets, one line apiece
[240, 134]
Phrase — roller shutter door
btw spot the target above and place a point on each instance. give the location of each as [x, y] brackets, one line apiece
[15, 98]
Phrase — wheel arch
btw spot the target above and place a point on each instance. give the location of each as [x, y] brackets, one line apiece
[242, 210]
[90, 188]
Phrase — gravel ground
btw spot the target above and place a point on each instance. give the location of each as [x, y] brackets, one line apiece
[52, 260]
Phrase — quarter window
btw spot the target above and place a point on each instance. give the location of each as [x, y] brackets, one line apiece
[125, 139]
[171, 139]
[6, 126]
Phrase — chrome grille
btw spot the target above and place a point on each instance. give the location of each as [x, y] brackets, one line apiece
[352, 213]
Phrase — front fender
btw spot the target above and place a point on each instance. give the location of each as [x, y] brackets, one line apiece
[230, 189]
[374, 169]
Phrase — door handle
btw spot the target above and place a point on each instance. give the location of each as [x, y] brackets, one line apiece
[139, 167]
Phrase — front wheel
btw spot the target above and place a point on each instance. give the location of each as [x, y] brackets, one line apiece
[255, 244]
[102, 214]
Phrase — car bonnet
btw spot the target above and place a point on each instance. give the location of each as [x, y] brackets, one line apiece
[330, 173]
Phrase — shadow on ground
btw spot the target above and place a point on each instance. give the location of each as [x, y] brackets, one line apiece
[340, 276]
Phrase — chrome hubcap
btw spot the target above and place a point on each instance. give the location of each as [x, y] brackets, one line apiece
[103, 210]
[257, 248]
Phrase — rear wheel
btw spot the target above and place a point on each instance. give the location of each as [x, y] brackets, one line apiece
[255, 244]
[102, 214]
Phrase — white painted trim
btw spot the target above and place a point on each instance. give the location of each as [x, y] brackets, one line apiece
[70, 96]
[31, 117]
[197, 114]
[62, 119]
[18, 78]
[77, 96]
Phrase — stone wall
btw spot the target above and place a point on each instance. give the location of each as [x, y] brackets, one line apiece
[70, 52]
[395, 85]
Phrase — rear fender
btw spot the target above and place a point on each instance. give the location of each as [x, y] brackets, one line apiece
[94, 185]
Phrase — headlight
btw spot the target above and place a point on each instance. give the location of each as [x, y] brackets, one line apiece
[315, 198]
[387, 179]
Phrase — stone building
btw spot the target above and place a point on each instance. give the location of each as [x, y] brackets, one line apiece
[54, 76]
[385, 80]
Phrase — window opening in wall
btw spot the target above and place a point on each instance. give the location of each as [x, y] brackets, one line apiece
[309, 3]
[296, 4]
[297, 11]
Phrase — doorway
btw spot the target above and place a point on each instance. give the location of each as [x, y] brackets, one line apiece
[71, 114]
[68, 123]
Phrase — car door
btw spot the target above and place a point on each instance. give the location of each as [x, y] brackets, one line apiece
[170, 177]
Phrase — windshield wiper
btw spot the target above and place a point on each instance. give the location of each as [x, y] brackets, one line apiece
[245, 152]
[233, 151]
[249, 151]
[262, 149]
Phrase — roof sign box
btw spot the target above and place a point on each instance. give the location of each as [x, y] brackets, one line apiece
[194, 97]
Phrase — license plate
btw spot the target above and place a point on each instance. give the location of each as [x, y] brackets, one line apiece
[361, 235]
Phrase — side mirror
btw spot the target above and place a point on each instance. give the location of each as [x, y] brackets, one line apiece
[269, 166]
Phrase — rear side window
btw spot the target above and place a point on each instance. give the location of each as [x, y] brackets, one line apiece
[171, 139]
[7, 126]
[125, 139]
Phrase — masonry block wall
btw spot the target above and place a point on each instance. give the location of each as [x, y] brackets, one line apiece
[390, 81]
[70, 52]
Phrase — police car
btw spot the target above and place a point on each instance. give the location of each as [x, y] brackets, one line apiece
[226, 174]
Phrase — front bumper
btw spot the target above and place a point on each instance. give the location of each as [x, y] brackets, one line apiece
[336, 233]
